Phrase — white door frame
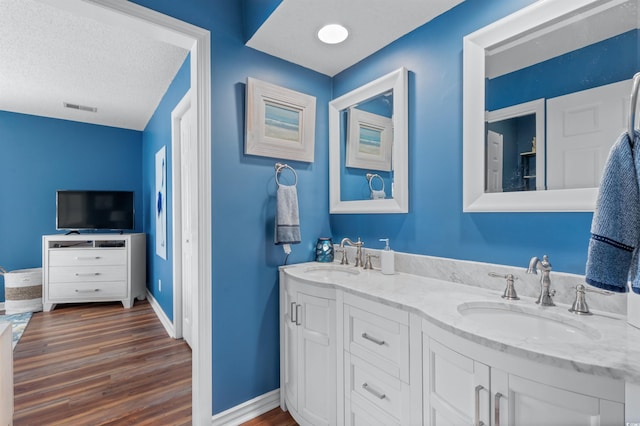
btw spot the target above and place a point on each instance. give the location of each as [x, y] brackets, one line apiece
[176, 189]
[198, 42]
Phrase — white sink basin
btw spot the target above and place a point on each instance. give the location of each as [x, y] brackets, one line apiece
[330, 271]
[521, 322]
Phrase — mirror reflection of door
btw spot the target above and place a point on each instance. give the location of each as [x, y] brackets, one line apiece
[583, 126]
[511, 154]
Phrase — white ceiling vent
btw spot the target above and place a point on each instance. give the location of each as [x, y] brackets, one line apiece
[80, 107]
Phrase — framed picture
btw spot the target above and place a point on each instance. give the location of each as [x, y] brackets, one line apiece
[369, 140]
[160, 202]
[280, 123]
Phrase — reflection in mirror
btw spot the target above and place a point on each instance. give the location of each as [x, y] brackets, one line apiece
[367, 132]
[515, 148]
[578, 58]
[368, 148]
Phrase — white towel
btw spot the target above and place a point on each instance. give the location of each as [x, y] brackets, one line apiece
[287, 220]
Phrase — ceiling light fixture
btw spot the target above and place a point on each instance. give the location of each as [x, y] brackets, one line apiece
[333, 34]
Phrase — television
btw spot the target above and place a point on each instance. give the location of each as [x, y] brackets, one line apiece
[94, 210]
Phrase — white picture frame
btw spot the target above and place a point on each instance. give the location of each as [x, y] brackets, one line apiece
[280, 122]
[369, 141]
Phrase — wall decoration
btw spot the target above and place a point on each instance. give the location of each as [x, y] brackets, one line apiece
[370, 137]
[161, 202]
[280, 122]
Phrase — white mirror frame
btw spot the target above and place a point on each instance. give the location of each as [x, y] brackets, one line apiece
[473, 109]
[396, 81]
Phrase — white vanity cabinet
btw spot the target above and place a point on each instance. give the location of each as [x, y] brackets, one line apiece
[308, 352]
[93, 268]
[377, 385]
[465, 383]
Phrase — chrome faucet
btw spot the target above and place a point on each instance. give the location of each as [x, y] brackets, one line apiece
[543, 265]
[358, 245]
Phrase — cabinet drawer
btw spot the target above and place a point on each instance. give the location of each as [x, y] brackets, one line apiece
[385, 392]
[88, 291]
[82, 274]
[71, 257]
[382, 341]
[361, 412]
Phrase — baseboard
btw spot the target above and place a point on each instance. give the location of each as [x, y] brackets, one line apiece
[166, 322]
[248, 410]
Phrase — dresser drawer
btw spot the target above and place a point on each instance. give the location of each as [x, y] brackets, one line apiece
[82, 274]
[387, 393]
[88, 291]
[380, 340]
[91, 257]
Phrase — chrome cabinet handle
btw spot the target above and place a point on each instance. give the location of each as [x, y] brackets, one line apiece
[87, 257]
[95, 290]
[373, 339]
[496, 407]
[373, 392]
[87, 274]
[298, 315]
[292, 311]
[478, 422]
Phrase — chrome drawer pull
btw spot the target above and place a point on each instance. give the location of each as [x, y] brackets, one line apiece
[373, 392]
[478, 422]
[373, 339]
[87, 274]
[95, 290]
[496, 404]
[298, 314]
[87, 257]
[292, 311]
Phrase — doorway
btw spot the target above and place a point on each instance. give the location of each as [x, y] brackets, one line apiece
[197, 41]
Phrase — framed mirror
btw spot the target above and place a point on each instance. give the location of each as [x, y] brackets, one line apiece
[545, 96]
[368, 148]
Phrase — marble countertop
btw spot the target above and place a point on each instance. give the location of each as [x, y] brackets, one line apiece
[607, 346]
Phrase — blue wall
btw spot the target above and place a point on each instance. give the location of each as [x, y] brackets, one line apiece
[436, 224]
[41, 155]
[575, 71]
[157, 134]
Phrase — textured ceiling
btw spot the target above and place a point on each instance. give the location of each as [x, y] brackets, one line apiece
[49, 56]
[290, 32]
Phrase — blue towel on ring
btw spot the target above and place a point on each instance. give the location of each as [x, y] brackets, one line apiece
[612, 258]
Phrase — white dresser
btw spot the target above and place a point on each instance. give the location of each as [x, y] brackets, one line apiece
[93, 268]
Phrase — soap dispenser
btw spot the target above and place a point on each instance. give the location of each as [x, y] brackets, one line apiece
[387, 262]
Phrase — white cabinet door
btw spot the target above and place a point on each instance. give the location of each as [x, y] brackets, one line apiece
[289, 331]
[308, 346]
[317, 359]
[457, 388]
[523, 402]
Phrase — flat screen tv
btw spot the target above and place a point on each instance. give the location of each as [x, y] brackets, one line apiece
[94, 210]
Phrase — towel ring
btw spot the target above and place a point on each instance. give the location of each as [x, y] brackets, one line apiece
[633, 106]
[279, 167]
[370, 177]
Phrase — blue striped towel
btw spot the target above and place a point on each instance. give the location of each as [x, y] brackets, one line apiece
[615, 230]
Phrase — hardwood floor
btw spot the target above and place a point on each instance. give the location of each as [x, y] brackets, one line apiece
[101, 364]
[275, 417]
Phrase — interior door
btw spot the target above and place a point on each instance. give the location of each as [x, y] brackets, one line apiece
[581, 128]
[188, 191]
[494, 161]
